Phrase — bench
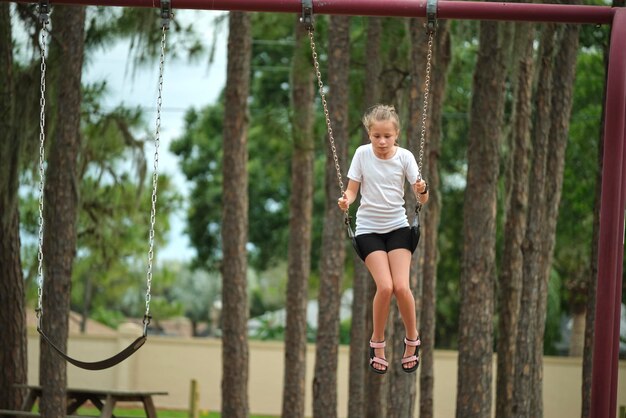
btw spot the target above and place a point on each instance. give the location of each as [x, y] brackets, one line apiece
[8, 412]
[11, 413]
[104, 400]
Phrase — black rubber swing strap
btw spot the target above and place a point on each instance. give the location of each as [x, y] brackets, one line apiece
[98, 365]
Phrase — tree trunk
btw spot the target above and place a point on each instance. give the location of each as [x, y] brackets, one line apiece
[301, 209]
[87, 296]
[235, 220]
[515, 226]
[359, 394]
[333, 234]
[375, 385]
[590, 314]
[577, 338]
[402, 387]
[563, 84]
[13, 356]
[479, 227]
[61, 203]
[532, 245]
[431, 218]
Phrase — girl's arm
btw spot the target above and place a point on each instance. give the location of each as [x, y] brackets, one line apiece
[349, 195]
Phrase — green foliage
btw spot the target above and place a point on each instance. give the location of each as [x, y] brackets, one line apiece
[200, 153]
[268, 289]
[110, 318]
[197, 292]
[344, 331]
[109, 274]
[269, 330]
[449, 267]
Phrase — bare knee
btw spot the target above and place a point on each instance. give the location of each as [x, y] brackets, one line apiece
[402, 291]
[384, 291]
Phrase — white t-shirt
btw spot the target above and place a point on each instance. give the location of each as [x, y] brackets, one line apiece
[382, 189]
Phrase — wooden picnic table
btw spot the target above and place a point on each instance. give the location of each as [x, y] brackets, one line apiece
[104, 400]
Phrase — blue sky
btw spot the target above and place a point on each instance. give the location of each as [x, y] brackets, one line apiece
[185, 86]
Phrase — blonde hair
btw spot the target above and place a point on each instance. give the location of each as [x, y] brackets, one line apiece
[379, 113]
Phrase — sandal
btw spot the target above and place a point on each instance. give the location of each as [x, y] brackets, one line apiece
[374, 359]
[415, 357]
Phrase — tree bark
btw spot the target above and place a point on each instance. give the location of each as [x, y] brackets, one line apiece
[402, 387]
[479, 226]
[431, 218]
[301, 212]
[235, 220]
[532, 245]
[577, 338]
[13, 356]
[515, 226]
[360, 332]
[563, 84]
[333, 238]
[61, 203]
[590, 314]
[375, 386]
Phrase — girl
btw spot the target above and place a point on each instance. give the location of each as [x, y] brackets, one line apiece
[383, 235]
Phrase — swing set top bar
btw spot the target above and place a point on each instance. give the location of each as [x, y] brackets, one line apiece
[446, 9]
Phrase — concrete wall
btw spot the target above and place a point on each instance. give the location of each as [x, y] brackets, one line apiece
[169, 364]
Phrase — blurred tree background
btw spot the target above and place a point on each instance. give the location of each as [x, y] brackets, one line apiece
[108, 282]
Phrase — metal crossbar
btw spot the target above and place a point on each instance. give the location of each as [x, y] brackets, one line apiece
[447, 9]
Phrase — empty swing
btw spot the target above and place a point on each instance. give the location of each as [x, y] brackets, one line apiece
[44, 10]
[431, 24]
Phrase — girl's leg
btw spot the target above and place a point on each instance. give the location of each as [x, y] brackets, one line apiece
[378, 265]
[400, 266]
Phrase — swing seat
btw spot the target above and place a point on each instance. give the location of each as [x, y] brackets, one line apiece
[415, 229]
[102, 364]
[352, 237]
[355, 245]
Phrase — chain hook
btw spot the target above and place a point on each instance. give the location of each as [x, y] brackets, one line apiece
[166, 13]
[431, 16]
[146, 322]
[44, 12]
[307, 14]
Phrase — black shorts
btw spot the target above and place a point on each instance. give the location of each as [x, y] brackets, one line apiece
[398, 238]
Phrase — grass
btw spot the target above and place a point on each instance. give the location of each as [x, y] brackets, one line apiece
[163, 413]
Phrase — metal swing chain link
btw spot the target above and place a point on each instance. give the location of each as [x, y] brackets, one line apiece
[43, 38]
[429, 56]
[155, 178]
[426, 97]
[331, 138]
[320, 85]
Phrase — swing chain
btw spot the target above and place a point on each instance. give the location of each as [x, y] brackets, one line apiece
[155, 178]
[426, 97]
[42, 139]
[320, 84]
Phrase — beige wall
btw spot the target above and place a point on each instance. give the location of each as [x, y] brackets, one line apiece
[169, 364]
